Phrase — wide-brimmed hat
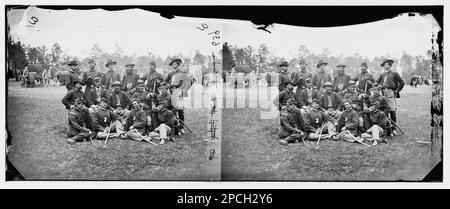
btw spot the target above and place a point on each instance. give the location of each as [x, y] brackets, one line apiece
[351, 83]
[327, 84]
[364, 64]
[131, 65]
[284, 63]
[302, 61]
[91, 60]
[116, 83]
[178, 61]
[387, 61]
[110, 61]
[72, 63]
[341, 66]
[140, 82]
[321, 62]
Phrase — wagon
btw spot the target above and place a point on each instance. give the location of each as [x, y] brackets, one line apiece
[32, 76]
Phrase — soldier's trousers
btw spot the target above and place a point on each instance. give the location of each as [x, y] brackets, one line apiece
[116, 130]
[134, 135]
[82, 136]
[328, 130]
[163, 129]
[373, 133]
[294, 137]
[392, 101]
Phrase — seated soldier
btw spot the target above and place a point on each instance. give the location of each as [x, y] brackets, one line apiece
[375, 96]
[293, 126]
[331, 101]
[119, 102]
[306, 96]
[379, 123]
[139, 92]
[106, 121]
[167, 123]
[79, 125]
[95, 94]
[135, 123]
[347, 123]
[73, 94]
[321, 122]
[288, 93]
[146, 105]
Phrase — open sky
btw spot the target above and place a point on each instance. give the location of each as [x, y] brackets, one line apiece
[138, 31]
[134, 31]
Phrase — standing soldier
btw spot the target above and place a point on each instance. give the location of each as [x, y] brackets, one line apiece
[72, 76]
[129, 79]
[293, 125]
[300, 78]
[79, 126]
[364, 79]
[110, 76]
[153, 79]
[321, 77]
[90, 75]
[341, 80]
[391, 84]
[284, 78]
[175, 63]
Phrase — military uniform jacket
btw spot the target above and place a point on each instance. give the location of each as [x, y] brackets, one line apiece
[299, 78]
[316, 118]
[289, 120]
[353, 97]
[109, 77]
[129, 82]
[362, 79]
[283, 97]
[139, 95]
[283, 79]
[114, 98]
[303, 96]
[170, 75]
[137, 119]
[391, 80]
[335, 100]
[70, 78]
[164, 96]
[94, 95]
[71, 96]
[78, 122]
[377, 117]
[384, 103]
[167, 117]
[102, 119]
[320, 78]
[349, 120]
[153, 81]
[340, 82]
[88, 79]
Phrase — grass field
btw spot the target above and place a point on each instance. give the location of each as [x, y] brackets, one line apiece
[36, 119]
[250, 149]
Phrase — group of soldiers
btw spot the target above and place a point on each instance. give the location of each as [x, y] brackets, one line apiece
[342, 108]
[127, 108]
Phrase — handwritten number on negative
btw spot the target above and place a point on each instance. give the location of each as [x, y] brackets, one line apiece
[34, 20]
[204, 27]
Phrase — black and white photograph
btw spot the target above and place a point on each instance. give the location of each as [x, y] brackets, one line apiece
[104, 93]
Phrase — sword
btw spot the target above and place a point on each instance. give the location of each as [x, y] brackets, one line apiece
[139, 134]
[357, 139]
[396, 125]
